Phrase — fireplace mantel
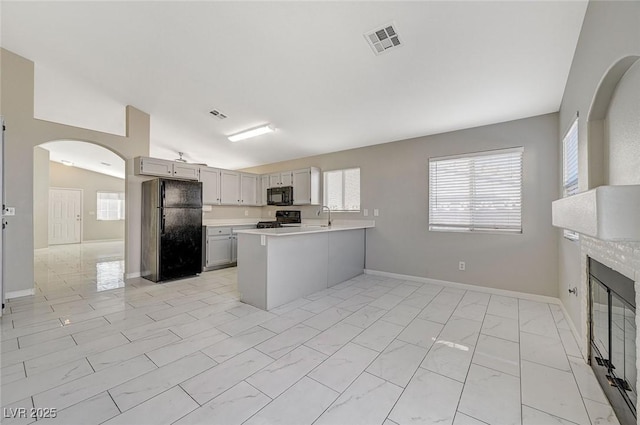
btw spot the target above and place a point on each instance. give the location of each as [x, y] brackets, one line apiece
[608, 213]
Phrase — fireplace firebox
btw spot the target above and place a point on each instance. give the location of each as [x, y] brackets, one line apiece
[612, 354]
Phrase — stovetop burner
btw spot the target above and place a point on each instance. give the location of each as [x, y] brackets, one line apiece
[282, 217]
[268, 224]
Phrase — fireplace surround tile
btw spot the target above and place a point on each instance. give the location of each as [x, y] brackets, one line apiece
[623, 257]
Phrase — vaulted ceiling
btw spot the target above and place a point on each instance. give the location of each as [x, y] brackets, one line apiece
[304, 67]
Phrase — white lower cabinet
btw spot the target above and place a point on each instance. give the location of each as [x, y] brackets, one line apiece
[218, 251]
[221, 247]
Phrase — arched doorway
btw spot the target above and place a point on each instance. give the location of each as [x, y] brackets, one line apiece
[79, 217]
[597, 128]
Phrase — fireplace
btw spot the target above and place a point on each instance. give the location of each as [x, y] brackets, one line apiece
[612, 337]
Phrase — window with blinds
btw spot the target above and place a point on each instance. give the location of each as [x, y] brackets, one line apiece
[342, 189]
[110, 206]
[570, 168]
[476, 192]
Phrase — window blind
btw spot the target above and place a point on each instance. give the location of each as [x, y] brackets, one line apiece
[110, 206]
[476, 192]
[570, 169]
[342, 189]
[570, 161]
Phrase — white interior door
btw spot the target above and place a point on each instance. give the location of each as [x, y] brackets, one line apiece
[65, 216]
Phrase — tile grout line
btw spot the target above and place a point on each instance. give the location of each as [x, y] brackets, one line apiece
[426, 354]
[575, 380]
[520, 358]
[472, 355]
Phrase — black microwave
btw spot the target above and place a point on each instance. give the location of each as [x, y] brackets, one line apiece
[280, 196]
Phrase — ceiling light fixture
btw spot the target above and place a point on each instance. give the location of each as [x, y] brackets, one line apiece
[67, 163]
[251, 133]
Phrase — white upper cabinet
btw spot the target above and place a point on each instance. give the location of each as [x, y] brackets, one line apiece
[280, 179]
[229, 187]
[153, 167]
[262, 190]
[248, 189]
[182, 170]
[306, 186]
[163, 168]
[286, 179]
[210, 178]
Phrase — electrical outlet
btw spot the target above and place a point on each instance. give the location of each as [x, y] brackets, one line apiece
[462, 266]
[263, 240]
[376, 212]
[365, 212]
[246, 213]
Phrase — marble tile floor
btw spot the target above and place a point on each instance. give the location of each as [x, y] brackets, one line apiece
[371, 350]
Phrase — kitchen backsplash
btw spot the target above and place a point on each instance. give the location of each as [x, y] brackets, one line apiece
[307, 212]
[232, 212]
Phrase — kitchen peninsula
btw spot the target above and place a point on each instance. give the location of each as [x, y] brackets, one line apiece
[276, 266]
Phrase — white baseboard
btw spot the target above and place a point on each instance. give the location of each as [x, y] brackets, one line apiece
[579, 338]
[21, 293]
[132, 275]
[466, 286]
[102, 240]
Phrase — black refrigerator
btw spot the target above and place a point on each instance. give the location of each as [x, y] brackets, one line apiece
[171, 229]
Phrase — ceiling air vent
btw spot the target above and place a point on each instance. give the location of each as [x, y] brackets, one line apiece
[383, 39]
[218, 114]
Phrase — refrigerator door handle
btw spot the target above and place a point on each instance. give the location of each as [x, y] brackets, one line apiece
[162, 194]
[162, 223]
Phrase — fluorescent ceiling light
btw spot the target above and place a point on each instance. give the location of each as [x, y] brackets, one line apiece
[251, 133]
[67, 163]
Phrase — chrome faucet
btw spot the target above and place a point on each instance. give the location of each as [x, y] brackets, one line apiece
[328, 209]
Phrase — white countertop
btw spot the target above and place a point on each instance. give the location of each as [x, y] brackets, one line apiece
[231, 221]
[312, 228]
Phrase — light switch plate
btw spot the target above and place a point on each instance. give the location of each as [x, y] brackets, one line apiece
[8, 211]
[263, 240]
[365, 212]
[376, 213]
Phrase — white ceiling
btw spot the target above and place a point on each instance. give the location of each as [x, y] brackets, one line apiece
[304, 67]
[86, 155]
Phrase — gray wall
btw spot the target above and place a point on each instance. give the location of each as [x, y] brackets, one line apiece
[24, 132]
[91, 183]
[623, 130]
[40, 198]
[610, 32]
[394, 179]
